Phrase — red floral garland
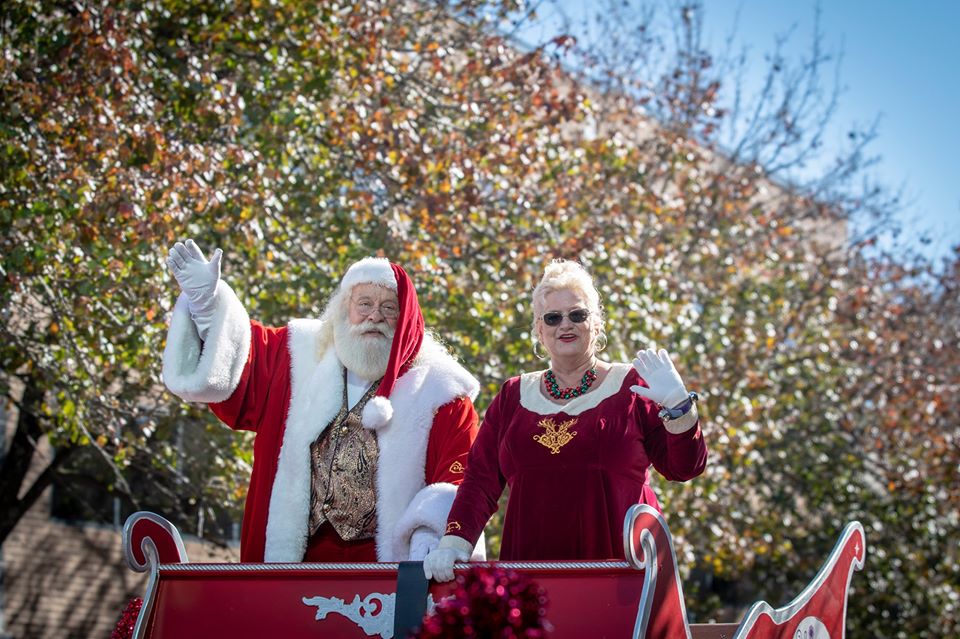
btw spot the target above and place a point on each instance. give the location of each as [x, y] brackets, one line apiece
[128, 620]
[489, 602]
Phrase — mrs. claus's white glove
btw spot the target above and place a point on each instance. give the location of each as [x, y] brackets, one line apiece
[665, 386]
[438, 564]
[198, 277]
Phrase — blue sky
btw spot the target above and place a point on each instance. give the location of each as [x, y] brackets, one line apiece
[901, 62]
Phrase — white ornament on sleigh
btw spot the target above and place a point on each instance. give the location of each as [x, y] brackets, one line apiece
[373, 614]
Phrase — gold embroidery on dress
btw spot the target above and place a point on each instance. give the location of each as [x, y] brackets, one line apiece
[557, 435]
[456, 467]
[453, 525]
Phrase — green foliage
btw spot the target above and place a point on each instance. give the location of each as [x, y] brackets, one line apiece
[300, 136]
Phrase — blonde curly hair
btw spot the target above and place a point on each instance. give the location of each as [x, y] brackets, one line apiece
[567, 275]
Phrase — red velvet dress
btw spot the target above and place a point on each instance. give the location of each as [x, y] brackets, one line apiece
[573, 470]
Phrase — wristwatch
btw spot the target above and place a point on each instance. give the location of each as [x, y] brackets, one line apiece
[681, 409]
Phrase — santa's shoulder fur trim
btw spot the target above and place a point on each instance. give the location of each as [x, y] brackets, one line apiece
[441, 371]
[435, 378]
[304, 337]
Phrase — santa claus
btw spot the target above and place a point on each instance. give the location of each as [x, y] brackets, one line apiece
[363, 421]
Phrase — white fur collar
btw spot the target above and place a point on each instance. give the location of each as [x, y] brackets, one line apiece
[316, 392]
[533, 400]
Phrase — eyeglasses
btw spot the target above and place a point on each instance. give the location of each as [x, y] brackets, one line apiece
[577, 316]
[365, 307]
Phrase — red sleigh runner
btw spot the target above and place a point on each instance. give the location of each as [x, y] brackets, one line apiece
[819, 612]
[639, 598]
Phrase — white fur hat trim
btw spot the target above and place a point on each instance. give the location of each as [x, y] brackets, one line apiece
[377, 413]
[370, 270]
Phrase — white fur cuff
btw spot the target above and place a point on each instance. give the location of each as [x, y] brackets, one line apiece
[207, 371]
[429, 509]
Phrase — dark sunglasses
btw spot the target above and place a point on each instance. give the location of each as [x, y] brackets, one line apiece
[577, 316]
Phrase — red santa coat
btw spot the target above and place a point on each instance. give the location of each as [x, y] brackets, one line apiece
[277, 383]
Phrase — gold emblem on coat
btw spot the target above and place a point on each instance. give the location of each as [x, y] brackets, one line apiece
[457, 467]
[556, 436]
[452, 526]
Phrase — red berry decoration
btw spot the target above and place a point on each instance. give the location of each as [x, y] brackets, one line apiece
[128, 620]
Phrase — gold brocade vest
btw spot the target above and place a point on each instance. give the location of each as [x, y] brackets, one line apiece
[343, 468]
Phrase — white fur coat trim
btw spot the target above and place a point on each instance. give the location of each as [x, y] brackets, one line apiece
[208, 371]
[316, 393]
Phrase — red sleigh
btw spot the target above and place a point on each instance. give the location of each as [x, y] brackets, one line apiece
[639, 598]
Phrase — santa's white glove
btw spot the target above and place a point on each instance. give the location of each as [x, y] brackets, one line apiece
[198, 277]
[438, 564]
[422, 541]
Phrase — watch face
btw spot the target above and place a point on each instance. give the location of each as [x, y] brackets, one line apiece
[671, 413]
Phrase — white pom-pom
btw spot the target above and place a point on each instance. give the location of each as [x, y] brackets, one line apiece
[377, 413]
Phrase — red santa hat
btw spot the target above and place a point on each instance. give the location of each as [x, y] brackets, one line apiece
[408, 332]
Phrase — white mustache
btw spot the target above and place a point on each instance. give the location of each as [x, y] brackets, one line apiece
[368, 326]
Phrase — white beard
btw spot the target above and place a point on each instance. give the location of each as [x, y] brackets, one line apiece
[363, 355]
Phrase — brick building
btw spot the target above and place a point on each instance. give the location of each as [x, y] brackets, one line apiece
[68, 579]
